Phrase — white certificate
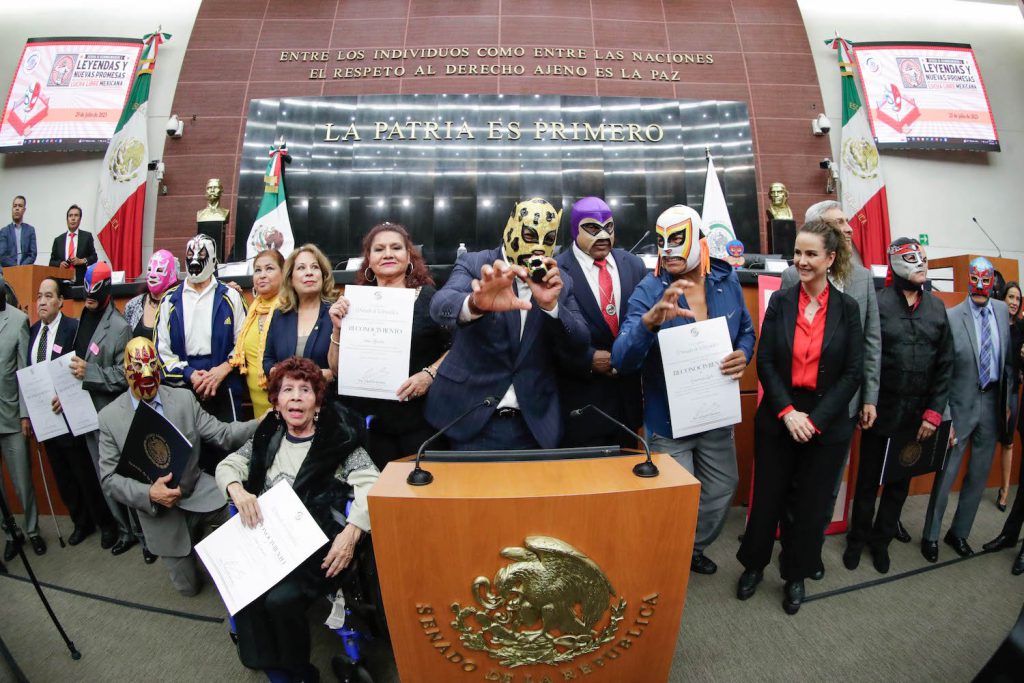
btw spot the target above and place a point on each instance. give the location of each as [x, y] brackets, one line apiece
[700, 397]
[37, 389]
[74, 400]
[246, 563]
[376, 335]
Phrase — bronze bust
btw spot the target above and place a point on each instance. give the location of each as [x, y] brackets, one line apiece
[213, 210]
[779, 209]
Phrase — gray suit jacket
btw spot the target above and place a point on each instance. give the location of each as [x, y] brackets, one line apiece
[104, 374]
[964, 406]
[166, 529]
[13, 355]
[862, 288]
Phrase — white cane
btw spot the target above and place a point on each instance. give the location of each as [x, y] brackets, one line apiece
[49, 501]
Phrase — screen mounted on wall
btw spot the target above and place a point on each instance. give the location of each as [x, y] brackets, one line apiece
[925, 96]
[68, 93]
[450, 167]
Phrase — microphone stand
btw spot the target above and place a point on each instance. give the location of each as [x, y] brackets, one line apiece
[420, 476]
[644, 469]
[998, 250]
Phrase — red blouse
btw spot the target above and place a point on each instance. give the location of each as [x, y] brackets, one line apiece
[807, 342]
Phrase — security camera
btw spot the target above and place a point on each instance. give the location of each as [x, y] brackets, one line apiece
[825, 164]
[175, 126]
[821, 125]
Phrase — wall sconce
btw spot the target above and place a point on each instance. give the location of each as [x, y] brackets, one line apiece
[832, 179]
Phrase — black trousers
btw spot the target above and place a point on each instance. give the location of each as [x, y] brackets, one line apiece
[867, 527]
[385, 446]
[77, 482]
[273, 632]
[798, 477]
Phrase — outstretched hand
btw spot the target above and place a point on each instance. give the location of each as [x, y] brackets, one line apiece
[668, 308]
[494, 292]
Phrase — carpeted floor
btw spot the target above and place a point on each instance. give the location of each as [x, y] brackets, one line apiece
[936, 625]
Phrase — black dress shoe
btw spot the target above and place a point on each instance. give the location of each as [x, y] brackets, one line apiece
[880, 558]
[999, 543]
[748, 583]
[1018, 565]
[702, 564]
[148, 557]
[819, 573]
[108, 537]
[38, 544]
[902, 535]
[851, 556]
[794, 595]
[122, 546]
[930, 550]
[79, 535]
[958, 544]
[11, 549]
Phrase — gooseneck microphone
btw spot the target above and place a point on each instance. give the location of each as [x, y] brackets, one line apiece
[639, 241]
[998, 250]
[420, 476]
[644, 469]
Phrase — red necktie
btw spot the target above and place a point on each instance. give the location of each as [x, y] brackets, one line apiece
[608, 307]
[71, 246]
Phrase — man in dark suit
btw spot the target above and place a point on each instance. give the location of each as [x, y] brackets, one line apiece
[53, 335]
[979, 393]
[514, 314]
[604, 279]
[74, 248]
[17, 239]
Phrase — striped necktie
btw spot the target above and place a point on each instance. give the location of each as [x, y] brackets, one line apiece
[985, 355]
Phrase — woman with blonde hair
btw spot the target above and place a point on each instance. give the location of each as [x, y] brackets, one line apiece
[302, 325]
[250, 347]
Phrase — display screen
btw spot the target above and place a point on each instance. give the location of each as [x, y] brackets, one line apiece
[68, 93]
[925, 96]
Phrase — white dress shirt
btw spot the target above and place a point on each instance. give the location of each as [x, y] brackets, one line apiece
[593, 273]
[51, 334]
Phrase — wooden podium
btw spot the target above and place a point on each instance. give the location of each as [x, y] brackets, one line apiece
[534, 571]
[961, 264]
[24, 280]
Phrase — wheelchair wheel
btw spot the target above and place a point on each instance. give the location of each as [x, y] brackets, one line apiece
[348, 671]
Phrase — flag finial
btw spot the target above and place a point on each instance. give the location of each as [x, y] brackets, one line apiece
[707, 151]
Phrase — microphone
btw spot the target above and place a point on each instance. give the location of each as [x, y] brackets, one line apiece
[644, 469]
[420, 476]
[642, 238]
[998, 250]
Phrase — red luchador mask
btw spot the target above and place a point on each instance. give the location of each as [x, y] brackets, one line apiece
[142, 368]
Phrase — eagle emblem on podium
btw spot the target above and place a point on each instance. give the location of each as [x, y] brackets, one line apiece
[550, 605]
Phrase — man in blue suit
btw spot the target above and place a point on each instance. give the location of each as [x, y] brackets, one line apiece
[604, 279]
[514, 314]
[17, 239]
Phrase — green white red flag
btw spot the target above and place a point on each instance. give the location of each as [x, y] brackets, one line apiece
[861, 186]
[714, 217]
[122, 192]
[272, 229]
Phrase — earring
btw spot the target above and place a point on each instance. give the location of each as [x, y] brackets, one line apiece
[277, 414]
[368, 274]
[316, 417]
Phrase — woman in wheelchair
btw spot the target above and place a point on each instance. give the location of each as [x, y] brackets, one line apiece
[319, 451]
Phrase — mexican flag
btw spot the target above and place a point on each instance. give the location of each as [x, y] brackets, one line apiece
[861, 187]
[122, 193]
[715, 214]
[272, 229]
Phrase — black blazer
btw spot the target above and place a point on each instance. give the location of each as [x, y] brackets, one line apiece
[85, 247]
[840, 369]
[65, 337]
[620, 396]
